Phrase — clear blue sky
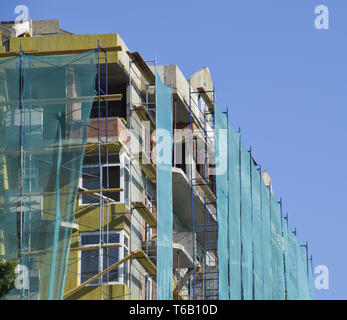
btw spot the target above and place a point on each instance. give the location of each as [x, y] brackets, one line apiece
[284, 81]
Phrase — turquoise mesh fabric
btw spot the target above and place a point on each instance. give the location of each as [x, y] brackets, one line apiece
[246, 226]
[266, 240]
[297, 284]
[222, 202]
[265, 261]
[310, 280]
[44, 142]
[164, 190]
[257, 235]
[305, 257]
[308, 270]
[9, 158]
[234, 200]
[291, 269]
[285, 252]
[41, 150]
[277, 268]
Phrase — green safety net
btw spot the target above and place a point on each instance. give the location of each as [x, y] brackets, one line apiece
[222, 201]
[277, 268]
[257, 233]
[164, 190]
[234, 194]
[44, 128]
[266, 241]
[308, 271]
[9, 159]
[297, 284]
[310, 279]
[265, 260]
[305, 256]
[246, 225]
[285, 252]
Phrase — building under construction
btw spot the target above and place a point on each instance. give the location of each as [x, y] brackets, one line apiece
[121, 179]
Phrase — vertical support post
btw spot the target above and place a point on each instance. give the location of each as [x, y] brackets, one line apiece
[252, 218]
[100, 177]
[57, 221]
[178, 275]
[107, 161]
[307, 265]
[192, 194]
[261, 216]
[130, 174]
[228, 193]
[21, 220]
[283, 254]
[240, 163]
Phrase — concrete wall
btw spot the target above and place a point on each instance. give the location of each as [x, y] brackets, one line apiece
[47, 27]
[267, 180]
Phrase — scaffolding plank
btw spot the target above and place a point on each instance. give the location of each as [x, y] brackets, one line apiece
[147, 167]
[206, 98]
[142, 66]
[34, 252]
[203, 185]
[145, 213]
[97, 191]
[58, 52]
[144, 115]
[54, 101]
[145, 262]
[113, 146]
[96, 247]
[109, 97]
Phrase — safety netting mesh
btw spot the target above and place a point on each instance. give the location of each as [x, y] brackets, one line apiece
[222, 202]
[265, 260]
[285, 252]
[246, 225]
[297, 281]
[257, 234]
[277, 267]
[310, 279]
[44, 114]
[45, 104]
[164, 189]
[266, 241]
[234, 232]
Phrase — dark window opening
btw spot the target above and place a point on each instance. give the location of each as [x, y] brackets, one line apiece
[112, 108]
[111, 179]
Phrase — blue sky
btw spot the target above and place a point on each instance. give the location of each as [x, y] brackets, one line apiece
[283, 81]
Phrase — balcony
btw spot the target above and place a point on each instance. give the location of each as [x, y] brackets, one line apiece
[203, 216]
[118, 136]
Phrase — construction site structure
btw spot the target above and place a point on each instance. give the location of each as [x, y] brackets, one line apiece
[111, 185]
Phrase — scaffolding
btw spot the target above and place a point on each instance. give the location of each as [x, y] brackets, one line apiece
[104, 191]
[203, 184]
[104, 149]
[143, 80]
[135, 257]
